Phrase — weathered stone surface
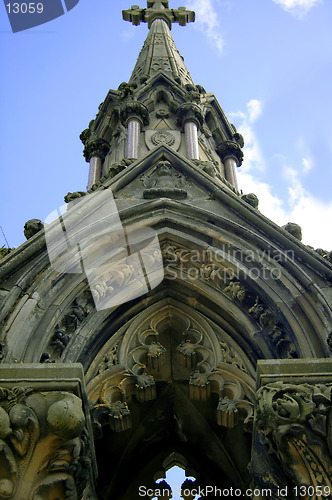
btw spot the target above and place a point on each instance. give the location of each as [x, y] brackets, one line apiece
[46, 449]
[293, 419]
[32, 227]
[171, 374]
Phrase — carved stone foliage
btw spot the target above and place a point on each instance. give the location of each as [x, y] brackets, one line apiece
[293, 229]
[230, 149]
[274, 328]
[210, 167]
[134, 109]
[74, 196]
[251, 199]
[295, 422]
[219, 274]
[32, 227]
[44, 451]
[329, 341]
[66, 327]
[189, 111]
[98, 147]
[325, 254]
[164, 181]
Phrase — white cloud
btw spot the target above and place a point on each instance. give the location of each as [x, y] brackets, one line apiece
[255, 109]
[207, 21]
[307, 158]
[298, 8]
[298, 205]
[307, 163]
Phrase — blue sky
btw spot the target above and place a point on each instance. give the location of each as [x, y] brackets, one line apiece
[269, 62]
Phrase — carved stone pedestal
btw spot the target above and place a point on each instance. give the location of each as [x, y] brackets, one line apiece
[292, 449]
[46, 445]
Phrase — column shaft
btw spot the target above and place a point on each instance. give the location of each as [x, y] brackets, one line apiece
[230, 171]
[94, 171]
[134, 130]
[191, 138]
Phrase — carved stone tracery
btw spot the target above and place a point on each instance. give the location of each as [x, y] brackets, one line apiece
[142, 360]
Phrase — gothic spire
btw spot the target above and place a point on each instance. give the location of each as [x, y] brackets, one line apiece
[159, 53]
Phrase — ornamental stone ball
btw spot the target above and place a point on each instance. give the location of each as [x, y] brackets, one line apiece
[66, 418]
[5, 429]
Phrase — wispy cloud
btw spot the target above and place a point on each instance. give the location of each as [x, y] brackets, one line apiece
[298, 205]
[255, 108]
[298, 8]
[207, 21]
[307, 158]
[127, 34]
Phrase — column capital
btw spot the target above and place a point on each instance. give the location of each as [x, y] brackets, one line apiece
[45, 430]
[98, 148]
[230, 149]
[135, 109]
[190, 112]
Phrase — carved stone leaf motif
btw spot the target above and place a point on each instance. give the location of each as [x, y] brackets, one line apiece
[231, 357]
[109, 360]
[66, 327]
[269, 323]
[42, 445]
[217, 274]
[295, 420]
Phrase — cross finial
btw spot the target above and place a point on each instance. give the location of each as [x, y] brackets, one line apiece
[158, 10]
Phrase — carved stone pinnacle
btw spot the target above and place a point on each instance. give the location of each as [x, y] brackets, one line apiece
[158, 10]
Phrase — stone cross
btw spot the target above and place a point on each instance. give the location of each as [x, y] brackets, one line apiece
[158, 10]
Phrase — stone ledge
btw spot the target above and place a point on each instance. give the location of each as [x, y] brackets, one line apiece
[294, 370]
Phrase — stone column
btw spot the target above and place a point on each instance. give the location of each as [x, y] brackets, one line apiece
[95, 152]
[231, 155]
[134, 116]
[191, 138]
[191, 117]
[133, 141]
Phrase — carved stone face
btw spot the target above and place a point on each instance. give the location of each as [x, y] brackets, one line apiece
[162, 111]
